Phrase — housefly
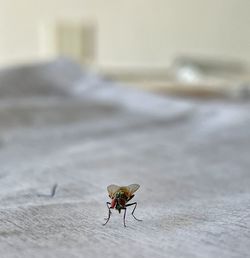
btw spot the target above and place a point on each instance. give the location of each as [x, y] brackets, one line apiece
[120, 196]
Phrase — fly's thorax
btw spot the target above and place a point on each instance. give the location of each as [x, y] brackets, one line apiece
[121, 195]
[121, 200]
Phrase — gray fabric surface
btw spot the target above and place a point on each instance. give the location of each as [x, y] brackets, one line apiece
[83, 133]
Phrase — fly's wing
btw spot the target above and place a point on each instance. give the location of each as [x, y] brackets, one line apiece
[132, 188]
[112, 189]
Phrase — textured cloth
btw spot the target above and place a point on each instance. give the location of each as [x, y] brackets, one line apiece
[61, 125]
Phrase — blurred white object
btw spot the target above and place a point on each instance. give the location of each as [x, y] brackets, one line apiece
[198, 67]
[189, 74]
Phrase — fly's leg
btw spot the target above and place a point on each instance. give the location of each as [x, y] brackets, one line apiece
[108, 203]
[135, 204]
[107, 219]
[124, 216]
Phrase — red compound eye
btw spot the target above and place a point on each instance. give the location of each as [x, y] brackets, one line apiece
[113, 203]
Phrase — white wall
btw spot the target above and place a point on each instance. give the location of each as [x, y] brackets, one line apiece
[132, 33]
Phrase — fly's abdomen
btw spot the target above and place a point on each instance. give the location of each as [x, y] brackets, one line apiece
[121, 202]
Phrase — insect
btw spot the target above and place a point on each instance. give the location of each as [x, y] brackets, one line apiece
[120, 196]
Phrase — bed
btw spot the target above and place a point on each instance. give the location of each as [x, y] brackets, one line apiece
[67, 133]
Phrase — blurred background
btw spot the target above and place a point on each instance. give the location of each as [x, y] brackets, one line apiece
[100, 92]
[181, 47]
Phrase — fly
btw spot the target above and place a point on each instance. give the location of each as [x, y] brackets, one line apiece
[120, 196]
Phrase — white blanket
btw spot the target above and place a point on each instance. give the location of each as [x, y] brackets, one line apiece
[60, 125]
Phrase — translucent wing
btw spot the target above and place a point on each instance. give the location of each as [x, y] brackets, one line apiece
[132, 188]
[112, 189]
